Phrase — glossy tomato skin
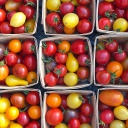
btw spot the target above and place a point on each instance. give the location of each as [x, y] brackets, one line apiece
[5, 28]
[99, 68]
[61, 58]
[63, 101]
[33, 124]
[2, 2]
[84, 2]
[124, 76]
[74, 123]
[33, 98]
[20, 70]
[10, 14]
[19, 60]
[59, 28]
[84, 119]
[79, 46]
[107, 116]
[61, 81]
[2, 15]
[53, 19]
[84, 26]
[121, 3]
[102, 57]
[125, 64]
[23, 118]
[120, 12]
[54, 116]
[49, 48]
[30, 62]
[102, 107]
[28, 10]
[11, 59]
[126, 14]
[18, 30]
[51, 79]
[120, 56]
[66, 7]
[28, 46]
[105, 7]
[103, 77]
[83, 12]
[104, 23]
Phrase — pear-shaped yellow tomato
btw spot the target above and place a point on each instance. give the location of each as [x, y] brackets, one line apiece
[117, 124]
[70, 20]
[121, 112]
[4, 121]
[4, 104]
[61, 125]
[53, 5]
[18, 19]
[30, 25]
[74, 100]
[70, 79]
[120, 25]
[72, 63]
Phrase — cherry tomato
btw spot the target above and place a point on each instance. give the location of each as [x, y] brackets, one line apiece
[19, 59]
[10, 58]
[99, 68]
[23, 118]
[104, 126]
[51, 79]
[121, 4]
[64, 46]
[33, 98]
[4, 120]
[31, 77]
[50, 64]
[63, 101]
[84, 119]
[21, 29]
[120, 12]
[2, 15]
[74, 123]
[5, 28]
[28, 10]
[49, 48]
[125, 102]
[61, 58]
[84, 26]
[117, 124]
[12, 113]
[30, 62]
[2, 2]
[10, 14]
[84, 2]
[2, 49]
[83, 73]
[124, 76]
[102, 57]
[54, 116]
[59, 28]
[15, 125]
[53, 100]
[14, 45]
[104, 23]
[61, 81]
[33, 124]
[53, 19]
[61, 125]
[4, 70]
[116, 68]
[28, 46]
[66, 7]
[103, 77]
[125, 64]
[20, 70]
[60, 70]
[83, 12]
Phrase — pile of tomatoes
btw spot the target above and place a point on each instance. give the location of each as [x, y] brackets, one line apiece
[20, 110]
[17, 16]
[66, 62]
[69, 16]
[18, 62]
[113, 15]
[111, 59]
[113, 109]
[68, 111]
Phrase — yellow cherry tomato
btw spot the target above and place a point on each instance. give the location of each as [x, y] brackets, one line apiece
[61, 125]
[117, 124]
[65, 0]
[18, 19]
[70, 79]
[12, 113]
[69, 30]
[31, 77]
[85, 126]
[4, 104]
[53, 5]
[4, 121]
[75, 2]
[15, 125]
[120, 25]
[30, 25]
[70, 20]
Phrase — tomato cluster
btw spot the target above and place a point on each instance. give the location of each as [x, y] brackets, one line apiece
[20, 109]
[69, 16]
[113, 15]
[17, 16]
[111, 62]
[18, 63]
[74, 109]
[113, 112]
[66, 62]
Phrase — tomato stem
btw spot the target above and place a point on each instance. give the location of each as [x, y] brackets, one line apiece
[22, 110]
[6, 52]
[31, 4]
[100, 47]
[87, 62]
[2, 63]
[48, 60]
[81, 98]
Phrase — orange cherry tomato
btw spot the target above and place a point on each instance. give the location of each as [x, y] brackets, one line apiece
[53, 100]
[69, 30]
[115, 68]
[4, 71]
[34, 112]
[111, 97]
[12, 113]
[15, 45]
[64, 46]
[31, 77]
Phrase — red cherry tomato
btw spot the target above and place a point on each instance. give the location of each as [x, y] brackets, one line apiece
[120, 12]
[84, 2]
[74, 123]
[2, 15]
[121, 3]
[99, 68]
[19, 30]
[84, 119]
[33, 124]
[10, 14]
[2, 2]
[63, 102]
[103, 106]
[124, 76]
